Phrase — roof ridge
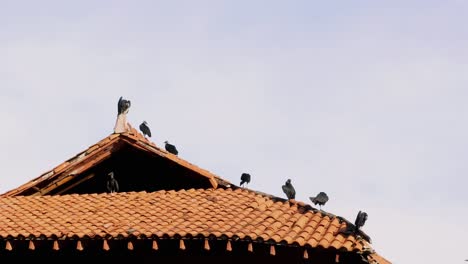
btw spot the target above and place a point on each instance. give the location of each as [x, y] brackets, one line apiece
[277, 198]
[133, 132]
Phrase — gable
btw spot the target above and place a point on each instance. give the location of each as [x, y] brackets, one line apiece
[137, 163]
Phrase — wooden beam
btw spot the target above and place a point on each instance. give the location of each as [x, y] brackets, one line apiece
[79, 246]
[76, 183]
[207, 244]
[105, 245]
[182, 244]
[155, 245]
[31, 245]
[130, 245]
[91, 161]
[55, 245]
[8, 246]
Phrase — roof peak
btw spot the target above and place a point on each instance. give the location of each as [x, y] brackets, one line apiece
[107, 149]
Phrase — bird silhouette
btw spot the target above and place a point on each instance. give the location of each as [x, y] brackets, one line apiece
[289, 190]
[145, 129]
[171, 148]
[112, 184]
[361, 219]
[245, 179]
[320, 199]
[123, 106]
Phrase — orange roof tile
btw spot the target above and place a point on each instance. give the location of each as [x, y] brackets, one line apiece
[101, 151]
[375, 258]
[198, 212]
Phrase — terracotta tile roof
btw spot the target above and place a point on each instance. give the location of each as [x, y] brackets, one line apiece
[220, 212]
[102, 150]
[224, 213]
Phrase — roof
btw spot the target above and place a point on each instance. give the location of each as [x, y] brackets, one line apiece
[100, 151]
[219, 212]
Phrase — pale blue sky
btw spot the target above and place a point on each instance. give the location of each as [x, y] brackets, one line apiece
[364, 100]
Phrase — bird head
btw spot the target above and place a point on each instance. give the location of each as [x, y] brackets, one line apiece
[144, 122]
[166, 142]
[111, 174]
[288, 181]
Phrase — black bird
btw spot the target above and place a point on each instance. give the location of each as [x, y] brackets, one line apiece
[289, 190]
[245, 179]
[320, 199]
[145, 129]
[123, 105]
[112, 184]
[171, 148]
[360, 220]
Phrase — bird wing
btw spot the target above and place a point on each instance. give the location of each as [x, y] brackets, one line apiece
[323, 197]
[123, 105]
[245, 177]
[120, 105]
[360, 219]
[145, 129]
[356, 223]
[149, 131]
[171, 148]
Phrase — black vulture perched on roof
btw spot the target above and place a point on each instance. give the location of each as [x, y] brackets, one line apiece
[245, 178]
[145, 129]
[171, 148]
[289, 190]
[320, 199]
[360, 220]
[123, 106]
[351, 229]
[112, 184]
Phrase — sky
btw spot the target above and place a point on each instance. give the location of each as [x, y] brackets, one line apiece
[364, 100]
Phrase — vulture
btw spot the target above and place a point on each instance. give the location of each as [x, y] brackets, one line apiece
[320, 199]
[289, 190]
[360, 220]
[123, 106]
[245, 179]
[112, 184]
[171, 148]
[145, 129]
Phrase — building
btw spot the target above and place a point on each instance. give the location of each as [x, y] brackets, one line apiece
[166, 210]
